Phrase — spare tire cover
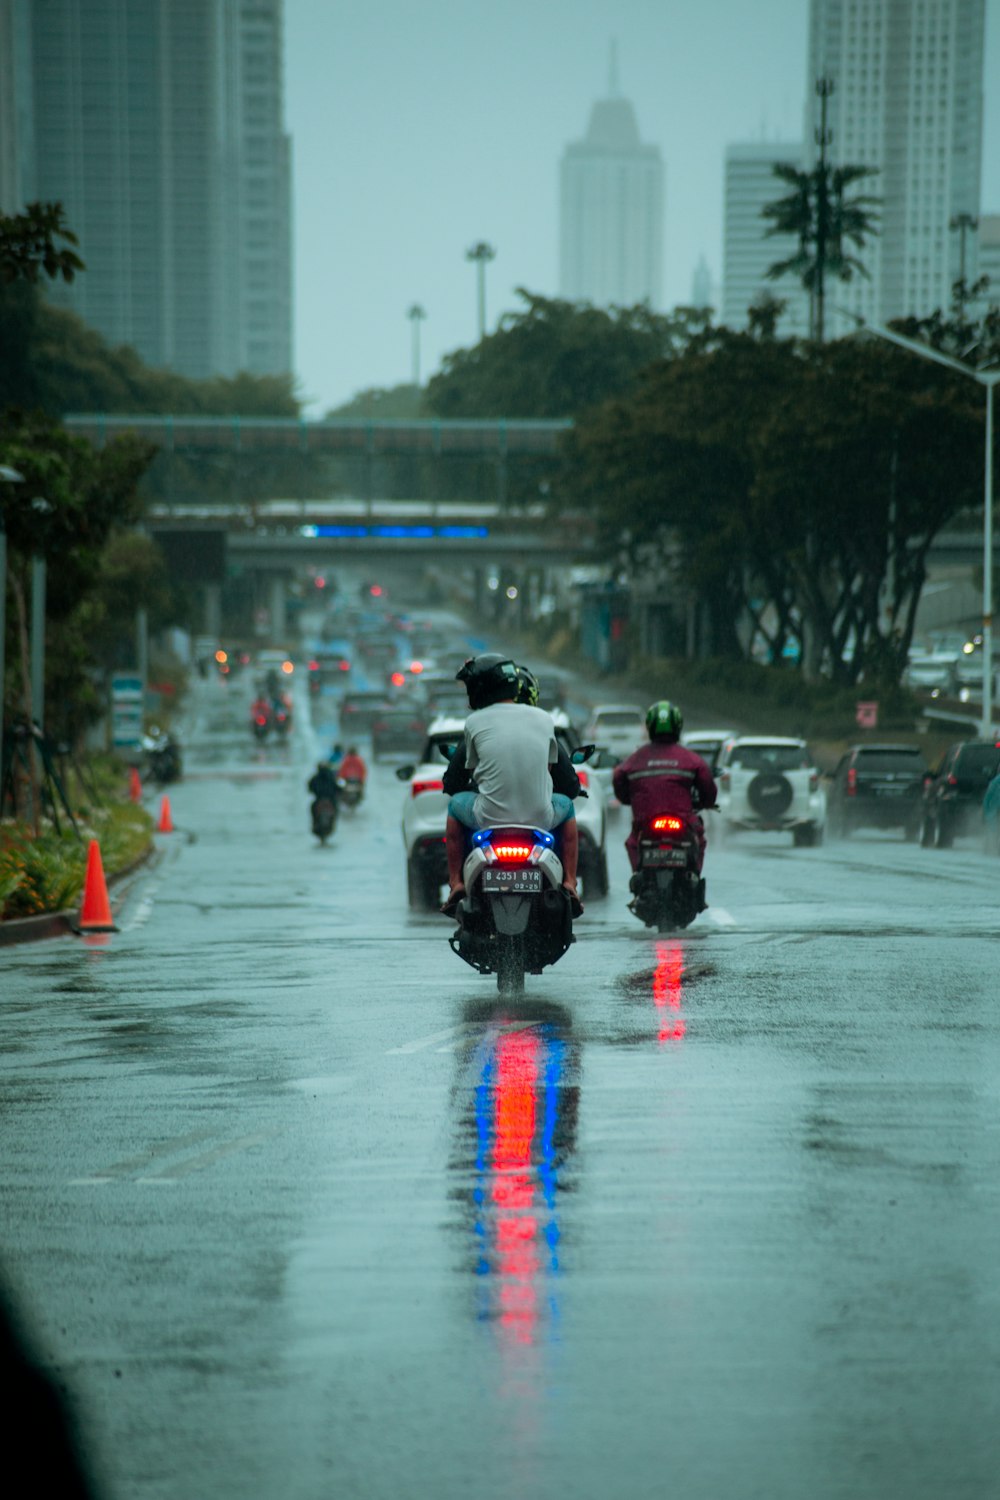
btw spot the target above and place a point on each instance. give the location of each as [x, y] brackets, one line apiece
[770, 794]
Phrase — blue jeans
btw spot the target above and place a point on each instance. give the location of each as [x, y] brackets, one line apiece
[462, 807]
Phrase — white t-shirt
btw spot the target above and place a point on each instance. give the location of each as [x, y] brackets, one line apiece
[509, 748]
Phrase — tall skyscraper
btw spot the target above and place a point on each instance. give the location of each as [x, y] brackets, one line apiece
[611, 210]
[159, 127]
[16, 112]
[750, 184]
[908, 99]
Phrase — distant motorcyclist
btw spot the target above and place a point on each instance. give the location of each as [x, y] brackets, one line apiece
[664, 777]
[509, 748]
[323, 785]
[351, 767]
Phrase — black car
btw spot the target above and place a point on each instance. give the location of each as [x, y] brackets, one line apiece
[358, 712]
[877, 786]
[953, 796]
[398, 731]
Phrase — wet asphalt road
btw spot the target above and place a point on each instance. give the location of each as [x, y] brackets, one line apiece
[297, 1209]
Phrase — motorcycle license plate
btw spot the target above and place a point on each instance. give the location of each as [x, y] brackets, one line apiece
[665, 856]
[513, 882]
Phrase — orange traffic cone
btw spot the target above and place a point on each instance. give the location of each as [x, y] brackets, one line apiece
[134, 784]
[95, 908]
[166, 824]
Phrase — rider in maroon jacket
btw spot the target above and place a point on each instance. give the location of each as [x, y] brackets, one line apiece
[664, 777]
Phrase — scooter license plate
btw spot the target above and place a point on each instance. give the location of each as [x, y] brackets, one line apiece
[513, 882]
[665, 856]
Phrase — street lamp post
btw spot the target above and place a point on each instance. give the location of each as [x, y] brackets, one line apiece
[481, 254]
[416, 315]
[990, 379]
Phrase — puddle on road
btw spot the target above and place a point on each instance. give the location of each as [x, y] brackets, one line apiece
[660, 993]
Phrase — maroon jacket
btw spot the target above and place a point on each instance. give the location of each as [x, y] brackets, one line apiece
[662, 778]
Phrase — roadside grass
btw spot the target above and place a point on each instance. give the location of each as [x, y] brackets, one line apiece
[46, 874]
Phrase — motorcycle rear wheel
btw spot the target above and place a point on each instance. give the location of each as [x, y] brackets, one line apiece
[510, 965]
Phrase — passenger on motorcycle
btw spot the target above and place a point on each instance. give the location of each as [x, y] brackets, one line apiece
[509, 749]
[351, 767]
[664, 777]
[323, 785]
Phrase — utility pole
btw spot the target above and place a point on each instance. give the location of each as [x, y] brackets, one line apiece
[416, 315]
[481, 254]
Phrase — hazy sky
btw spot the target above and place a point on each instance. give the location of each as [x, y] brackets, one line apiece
[421, 126]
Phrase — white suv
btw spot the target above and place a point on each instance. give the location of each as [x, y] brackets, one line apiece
[425, 813]
[769, 783]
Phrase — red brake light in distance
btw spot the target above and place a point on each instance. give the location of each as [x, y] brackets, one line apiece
[851, 788]
[426, 786]
[516, 852]
[668, 825]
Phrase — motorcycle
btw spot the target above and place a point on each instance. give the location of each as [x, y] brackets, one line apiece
[163, 757]
[515, 917]
[667, 890]
[324, 818]
[352, 789]
[281, 716]
[260, 723]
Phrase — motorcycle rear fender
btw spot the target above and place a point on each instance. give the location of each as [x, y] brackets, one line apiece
[510, 914]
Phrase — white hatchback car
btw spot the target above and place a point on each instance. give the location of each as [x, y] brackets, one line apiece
[425, 813]
[771, 784]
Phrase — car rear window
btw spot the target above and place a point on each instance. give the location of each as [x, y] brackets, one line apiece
[619, 719]
[978, 760]
[769, 757]
[432, 749]
[889, 760]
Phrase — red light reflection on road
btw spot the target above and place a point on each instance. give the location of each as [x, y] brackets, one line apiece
[514, 1182]
[667, 990]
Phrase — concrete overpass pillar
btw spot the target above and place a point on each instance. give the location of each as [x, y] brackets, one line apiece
[279, 621]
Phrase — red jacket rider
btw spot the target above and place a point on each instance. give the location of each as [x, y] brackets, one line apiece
[664, 777]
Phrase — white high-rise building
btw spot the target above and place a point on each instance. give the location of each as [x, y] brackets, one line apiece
[611, 211]
[750, 184]
[988, 263]
[908, 99]
[159, 127]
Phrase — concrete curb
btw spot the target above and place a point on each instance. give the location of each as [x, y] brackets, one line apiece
[52, 924]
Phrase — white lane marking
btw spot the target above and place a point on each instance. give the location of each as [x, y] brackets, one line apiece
[136, 1163]
[510, 1026]
[721, 916]
[198, 1163]
[426, 1041]
[143, 913]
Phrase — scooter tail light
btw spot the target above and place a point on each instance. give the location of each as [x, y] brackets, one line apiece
[668, 825]
[516, 853]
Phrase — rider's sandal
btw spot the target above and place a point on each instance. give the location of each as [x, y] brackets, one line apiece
[450, 907]
[575, 904]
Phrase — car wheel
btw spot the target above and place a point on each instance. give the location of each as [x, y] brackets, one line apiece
[595, 874]
[944, 833]
[926, 832]
[421, 895]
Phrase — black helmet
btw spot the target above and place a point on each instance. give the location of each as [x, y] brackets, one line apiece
[664, 721]
[489, 678]
[527, 687]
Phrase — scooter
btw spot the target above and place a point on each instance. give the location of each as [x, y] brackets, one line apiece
[515, 917]
[352, 790]
[163, 756]
[667, 890]
[324, 818]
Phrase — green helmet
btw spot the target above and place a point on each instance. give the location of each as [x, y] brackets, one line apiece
[664, 721]
[527, 687]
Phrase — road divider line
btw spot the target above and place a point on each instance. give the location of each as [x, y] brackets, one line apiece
[721, 917]
[426, 1041]
[199, 1163]
[134, 1164]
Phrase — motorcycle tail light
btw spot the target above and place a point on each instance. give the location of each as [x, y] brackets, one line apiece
[261, 719]
[425, 786]
[668, 825]
[516, 853]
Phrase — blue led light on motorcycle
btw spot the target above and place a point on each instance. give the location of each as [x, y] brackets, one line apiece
[482, 837]
[543, 838]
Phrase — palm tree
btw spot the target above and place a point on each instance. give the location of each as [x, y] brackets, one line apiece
[818, 212]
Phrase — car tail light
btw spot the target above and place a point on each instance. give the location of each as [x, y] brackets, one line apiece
[516, 853]
[851, 789]
[261, 718]
[583, 778]
[953, 780]
[426, 786]
[724, 780]
[397, 679]
[668, 825]
[814, 781]
[345, 666]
